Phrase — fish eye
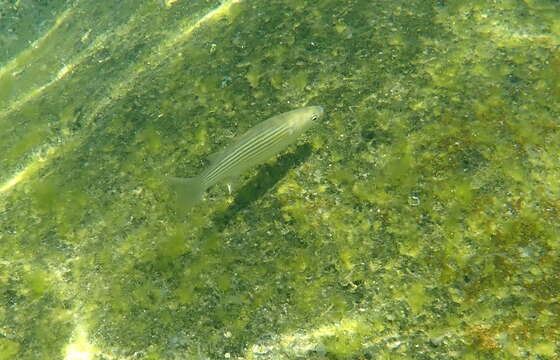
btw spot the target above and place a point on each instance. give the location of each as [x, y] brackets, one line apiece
[314, 117]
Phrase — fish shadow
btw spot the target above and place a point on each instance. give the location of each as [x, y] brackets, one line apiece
[267, 177]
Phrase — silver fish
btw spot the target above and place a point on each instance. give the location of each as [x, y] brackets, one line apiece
[255, 147]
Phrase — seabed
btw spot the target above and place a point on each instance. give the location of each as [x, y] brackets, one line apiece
[418, 221]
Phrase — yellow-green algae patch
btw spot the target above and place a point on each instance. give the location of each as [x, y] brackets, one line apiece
[419, 220]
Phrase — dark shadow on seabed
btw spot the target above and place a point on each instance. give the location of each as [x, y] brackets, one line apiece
[268, 176]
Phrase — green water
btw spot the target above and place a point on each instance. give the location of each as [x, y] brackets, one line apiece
[418, 221]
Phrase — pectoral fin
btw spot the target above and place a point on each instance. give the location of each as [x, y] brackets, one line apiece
[231, 183]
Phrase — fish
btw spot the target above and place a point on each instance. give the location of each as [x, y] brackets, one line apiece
[256, 146]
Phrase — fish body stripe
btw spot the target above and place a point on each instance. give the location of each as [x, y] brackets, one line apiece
[252, 147]
[227, 159]
[232, 159]
[260, 147]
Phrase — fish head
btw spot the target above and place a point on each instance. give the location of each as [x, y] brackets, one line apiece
[307, 117]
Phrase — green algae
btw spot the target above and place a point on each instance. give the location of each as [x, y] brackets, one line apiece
[8, 349]
[420, 222]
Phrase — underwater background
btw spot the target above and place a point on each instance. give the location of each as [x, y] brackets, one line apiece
[419, 220]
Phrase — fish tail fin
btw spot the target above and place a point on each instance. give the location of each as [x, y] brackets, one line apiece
[187, 191]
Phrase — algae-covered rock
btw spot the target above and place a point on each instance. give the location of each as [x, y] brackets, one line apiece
[417, 220]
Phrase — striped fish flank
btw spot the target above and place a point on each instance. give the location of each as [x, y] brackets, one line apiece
[253, 148]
